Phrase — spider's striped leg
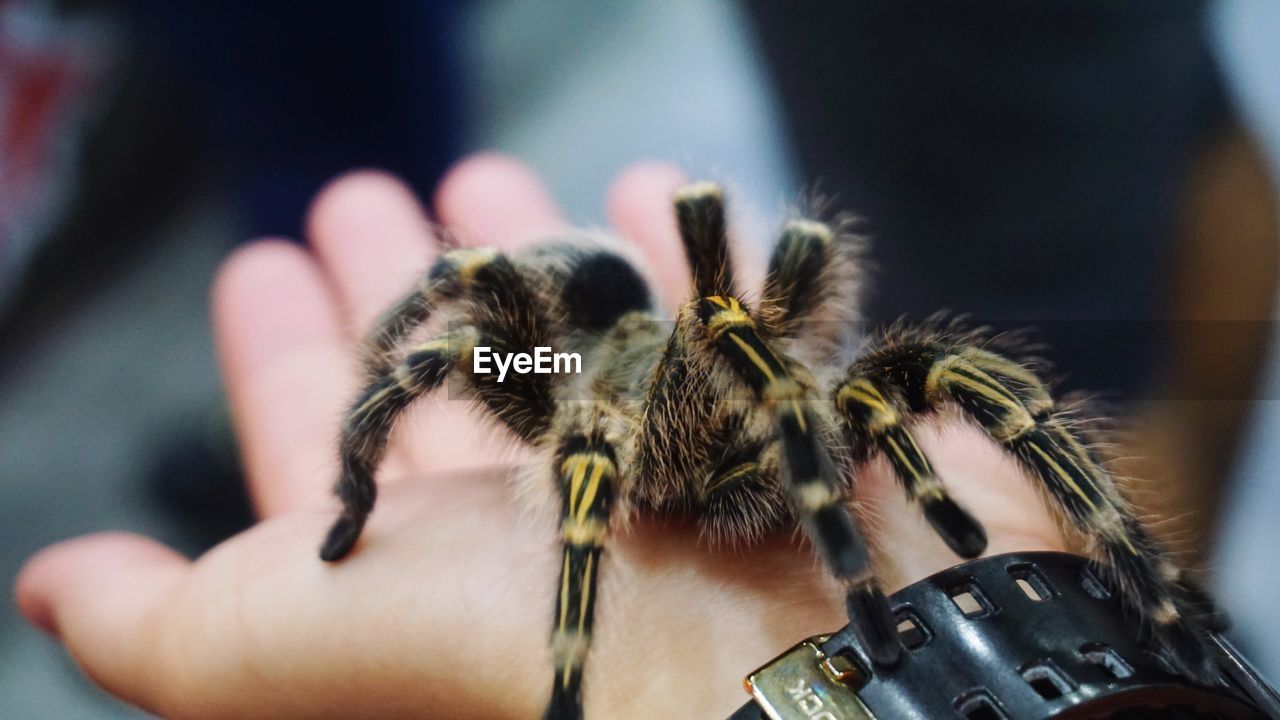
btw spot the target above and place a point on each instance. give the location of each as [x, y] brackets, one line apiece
[368, 424]
[797, 280]
[509, 320]
[447, 279]
[807, 468]
[737, 503]
[411, 311]
[1013, 406]
[813, 482]
[587, 468]
[811, 291]
[703, 231]
[874, 415]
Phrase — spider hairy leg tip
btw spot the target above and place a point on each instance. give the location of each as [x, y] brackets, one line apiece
[340, 540]
[563, 707]
[958, 529]
[1187, 652]
[875, 625]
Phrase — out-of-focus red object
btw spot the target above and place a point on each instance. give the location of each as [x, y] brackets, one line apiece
[51, 79]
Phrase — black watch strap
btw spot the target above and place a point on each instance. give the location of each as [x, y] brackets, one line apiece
[1023, 635]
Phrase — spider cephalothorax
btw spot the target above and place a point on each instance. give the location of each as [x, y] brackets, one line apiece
[715, 415]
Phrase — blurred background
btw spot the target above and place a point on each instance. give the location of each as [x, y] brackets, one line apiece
[1100, 171]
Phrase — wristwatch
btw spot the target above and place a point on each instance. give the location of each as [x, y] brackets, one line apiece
[1023, 635]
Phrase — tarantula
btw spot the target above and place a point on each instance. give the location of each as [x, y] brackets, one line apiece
[718, 416]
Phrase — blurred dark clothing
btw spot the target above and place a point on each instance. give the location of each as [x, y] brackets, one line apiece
[1021, 162]
[296, 93]
[290, 95]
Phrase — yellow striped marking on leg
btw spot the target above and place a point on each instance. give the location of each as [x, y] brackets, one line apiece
[929, 491]
[1106, 519]
[584, 487]
[583, 533]
[564, 592]
[569, 648]
[1039, 399]
[581, 463]
[726, 302]
[955, 370]
[885, 417]
[755, 358]
[1013, 426]
[572, 462]
[813, 496]
[897, 450]
[865, 393]
[1062, 473]
[911, 439]
[468, 261]
[795, 412]
[373, 401]
[1108, 523]
[593, 488]
[995, 393]
[882, 414]
[778, 387]
[585, 598]
[405, 379]
[457, 346]
[730, 315]
[787, 393]
[1166, 613]
[948, 370]
[923, 486]
[731, 475]
[440, 344]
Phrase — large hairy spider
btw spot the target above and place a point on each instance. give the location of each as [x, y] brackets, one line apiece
[718, 416]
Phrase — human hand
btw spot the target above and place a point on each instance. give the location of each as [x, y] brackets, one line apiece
[445, 608]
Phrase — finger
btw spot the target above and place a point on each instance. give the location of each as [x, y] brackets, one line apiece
[493, 200]
[101, 595]
[286, 368]
[639, 206]
[373, 242]
[980, 477]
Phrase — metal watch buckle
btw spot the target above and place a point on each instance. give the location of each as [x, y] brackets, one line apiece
[805, 684]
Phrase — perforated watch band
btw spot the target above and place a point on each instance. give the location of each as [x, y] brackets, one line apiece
[1023, 635]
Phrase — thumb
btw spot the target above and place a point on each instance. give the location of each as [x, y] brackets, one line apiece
[100, 595]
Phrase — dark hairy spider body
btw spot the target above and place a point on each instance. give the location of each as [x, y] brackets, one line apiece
[749, 417]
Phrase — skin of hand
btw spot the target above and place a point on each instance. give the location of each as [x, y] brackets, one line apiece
[444, 609]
